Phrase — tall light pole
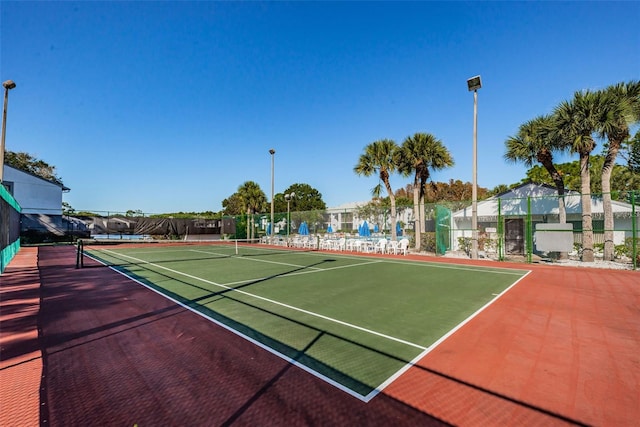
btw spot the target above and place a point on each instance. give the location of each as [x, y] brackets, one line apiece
[473, 84]
[8, 85]
[273, 226]
[288, 198]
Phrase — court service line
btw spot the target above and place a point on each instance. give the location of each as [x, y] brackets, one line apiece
[259, 260]
[429, 264]
[298, 273]
[310, 313]
[316, 269]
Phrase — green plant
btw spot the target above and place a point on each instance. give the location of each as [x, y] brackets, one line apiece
[464, 243]
[428, 241]
[620, 250]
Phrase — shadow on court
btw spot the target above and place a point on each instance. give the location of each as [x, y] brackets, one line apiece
[117, 354]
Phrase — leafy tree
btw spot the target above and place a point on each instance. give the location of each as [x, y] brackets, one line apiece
[499, 189]
[406, 193]
[233, 205]
[633, 148]
[67, 209]
[185, 215]
[306, 198]
[28, 163]
[381, 158]
[452, 191]
[419, 155]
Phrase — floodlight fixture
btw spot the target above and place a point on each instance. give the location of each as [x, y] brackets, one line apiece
[474, 83]
[8, 85]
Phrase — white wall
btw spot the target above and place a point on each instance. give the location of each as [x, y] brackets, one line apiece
[35, 195]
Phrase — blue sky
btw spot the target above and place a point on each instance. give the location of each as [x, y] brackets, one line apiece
[171, 106]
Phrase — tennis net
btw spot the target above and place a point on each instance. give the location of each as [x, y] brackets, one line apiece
[115, 251]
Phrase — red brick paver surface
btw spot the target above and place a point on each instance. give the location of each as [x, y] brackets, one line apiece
[20, 357]
[560, 348]
[565, 342]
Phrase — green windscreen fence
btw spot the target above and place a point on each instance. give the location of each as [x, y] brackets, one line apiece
[9, 227]
[443, 229]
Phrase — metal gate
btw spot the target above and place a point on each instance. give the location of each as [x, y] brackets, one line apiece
[514, 236]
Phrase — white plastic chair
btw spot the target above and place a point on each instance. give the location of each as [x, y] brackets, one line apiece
[381, 246]
[403, 246]
[325, 244]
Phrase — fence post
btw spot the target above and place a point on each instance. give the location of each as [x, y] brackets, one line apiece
[500, 232]
[529, 231]
[634, 231]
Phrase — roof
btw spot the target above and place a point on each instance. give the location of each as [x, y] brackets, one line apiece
[62, 186]
[540, 199]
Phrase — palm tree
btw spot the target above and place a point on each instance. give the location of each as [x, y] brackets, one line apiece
[381, 157]
[535, 142]
[620, 109]
[254, 200]
[420, 154]
[575, 122]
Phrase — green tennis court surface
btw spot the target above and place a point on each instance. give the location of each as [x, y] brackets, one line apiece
[354, 321]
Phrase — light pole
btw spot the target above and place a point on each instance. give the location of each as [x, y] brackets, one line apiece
[8, 85]
[273, 226]
[288, 198]
[473, 84]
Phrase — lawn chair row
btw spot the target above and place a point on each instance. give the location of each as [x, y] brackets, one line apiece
[381, 246]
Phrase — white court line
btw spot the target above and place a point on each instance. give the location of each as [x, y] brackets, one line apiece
[432, 347]
[310, 313]
[376, 390]
[265, 347]
[297, 273]
[425, 263]
[258, 260]
[422, 264]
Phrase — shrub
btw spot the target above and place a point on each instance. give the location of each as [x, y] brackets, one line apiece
[464, 243]
[428, 241]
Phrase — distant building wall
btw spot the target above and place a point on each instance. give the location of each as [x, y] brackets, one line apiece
[34, 194]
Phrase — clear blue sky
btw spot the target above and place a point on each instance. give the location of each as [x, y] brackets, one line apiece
[171, 106]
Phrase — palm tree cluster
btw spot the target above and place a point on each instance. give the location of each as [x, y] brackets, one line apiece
[418, 155]
[574, 126]
[249, 197]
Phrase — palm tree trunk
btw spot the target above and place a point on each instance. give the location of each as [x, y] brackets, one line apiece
[248, 212]
[416, 214]
[607, 169]
[587, 224]
[421, 212]
[392, 200]
[394, 234]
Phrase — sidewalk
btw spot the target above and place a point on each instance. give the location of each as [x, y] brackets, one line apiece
[20, 357]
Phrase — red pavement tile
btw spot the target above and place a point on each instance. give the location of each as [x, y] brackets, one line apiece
[20, 357]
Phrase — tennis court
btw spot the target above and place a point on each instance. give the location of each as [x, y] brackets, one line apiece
[356, 322]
